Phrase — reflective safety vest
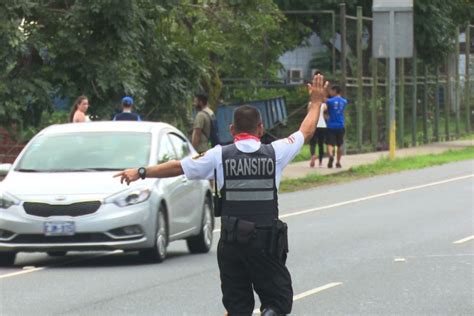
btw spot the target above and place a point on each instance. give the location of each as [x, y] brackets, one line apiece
[249, 191]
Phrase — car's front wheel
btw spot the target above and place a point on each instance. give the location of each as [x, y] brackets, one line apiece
[158, 252]
[7, 259]
[202, 243]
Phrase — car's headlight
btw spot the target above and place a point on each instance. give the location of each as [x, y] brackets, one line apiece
[7, 200]
[129, 197]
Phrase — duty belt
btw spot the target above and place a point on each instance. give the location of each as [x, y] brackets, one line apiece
[241, 232]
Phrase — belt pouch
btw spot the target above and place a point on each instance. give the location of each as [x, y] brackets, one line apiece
[228, 232]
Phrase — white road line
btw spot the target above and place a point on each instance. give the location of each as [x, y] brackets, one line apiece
[4, 276]
[316, 290]
[464, 240]
[310, 292]
[370, 197]
[21, 272]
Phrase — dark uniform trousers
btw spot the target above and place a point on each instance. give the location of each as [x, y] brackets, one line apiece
[252, 250]
[247, 267]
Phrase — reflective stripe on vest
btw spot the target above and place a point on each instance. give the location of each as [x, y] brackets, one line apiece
[249, 184]
[249, 195]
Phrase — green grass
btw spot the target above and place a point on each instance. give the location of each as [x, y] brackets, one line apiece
[304, 154]
[382, 166]
[467, 137]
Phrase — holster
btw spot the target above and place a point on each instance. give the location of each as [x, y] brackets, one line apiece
[217, 199]
[278, 247]
[236, 230]
[217, 205]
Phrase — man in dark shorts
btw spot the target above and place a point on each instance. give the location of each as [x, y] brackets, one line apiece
[335, 132]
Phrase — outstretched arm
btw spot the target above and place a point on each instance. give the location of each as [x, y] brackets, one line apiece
[166, 170]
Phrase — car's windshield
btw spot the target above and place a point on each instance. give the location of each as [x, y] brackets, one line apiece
[90, 151]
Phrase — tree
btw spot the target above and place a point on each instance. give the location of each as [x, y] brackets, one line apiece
[158, 51]
[435, 26]
[228, 38]
[435, 22]
[96, 48]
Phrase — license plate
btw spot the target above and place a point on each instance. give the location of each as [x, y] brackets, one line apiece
[59, 228]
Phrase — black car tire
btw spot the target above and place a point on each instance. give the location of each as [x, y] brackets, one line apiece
[158, 253]
[56, 253]
[7, 259]
[202, 243]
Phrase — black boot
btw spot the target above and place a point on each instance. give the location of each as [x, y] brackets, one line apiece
[270, 312]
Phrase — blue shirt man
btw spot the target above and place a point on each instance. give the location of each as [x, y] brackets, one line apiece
[127, 114]
[336, 106]
[335, 133]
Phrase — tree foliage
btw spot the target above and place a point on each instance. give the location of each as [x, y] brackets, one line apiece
[435, 22]
[96, 48]
[435, 26]
[158, 51]
[162, 51]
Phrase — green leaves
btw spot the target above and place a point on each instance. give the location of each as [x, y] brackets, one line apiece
[435, 25]
[163, 51]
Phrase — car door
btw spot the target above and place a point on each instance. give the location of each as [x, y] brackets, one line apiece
[174, 188]
[189, 215]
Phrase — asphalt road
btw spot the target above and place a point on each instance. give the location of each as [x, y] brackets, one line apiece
[401, 244]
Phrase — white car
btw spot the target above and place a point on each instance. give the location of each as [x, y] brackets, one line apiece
[60, 195]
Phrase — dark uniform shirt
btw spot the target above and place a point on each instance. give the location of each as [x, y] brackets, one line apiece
[127, 116]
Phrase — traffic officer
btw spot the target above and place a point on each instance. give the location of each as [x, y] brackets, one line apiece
[252, 249]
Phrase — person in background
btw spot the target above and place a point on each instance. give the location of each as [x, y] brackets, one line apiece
[202, 124]
[335, 132]
[79, 109]
[127, 114]
[319, 138]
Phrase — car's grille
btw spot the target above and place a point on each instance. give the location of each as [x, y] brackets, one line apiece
[47, 210]
[42, 239]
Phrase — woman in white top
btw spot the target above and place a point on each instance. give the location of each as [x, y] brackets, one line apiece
[319, 137]
[79, 109]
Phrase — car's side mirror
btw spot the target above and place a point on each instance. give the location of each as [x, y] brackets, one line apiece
[4, 168]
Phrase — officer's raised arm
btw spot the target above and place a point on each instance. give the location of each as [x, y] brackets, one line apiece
[317, 91]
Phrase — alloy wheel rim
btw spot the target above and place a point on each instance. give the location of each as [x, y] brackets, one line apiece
[207, 225]
[161, 236]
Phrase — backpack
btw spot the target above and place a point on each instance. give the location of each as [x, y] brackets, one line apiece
[213, 136]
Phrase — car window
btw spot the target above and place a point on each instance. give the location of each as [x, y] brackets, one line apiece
[165, 150]
[180, 145]
[71, 152]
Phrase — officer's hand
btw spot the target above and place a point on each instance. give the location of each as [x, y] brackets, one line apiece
[128, 175]
[318, 89]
